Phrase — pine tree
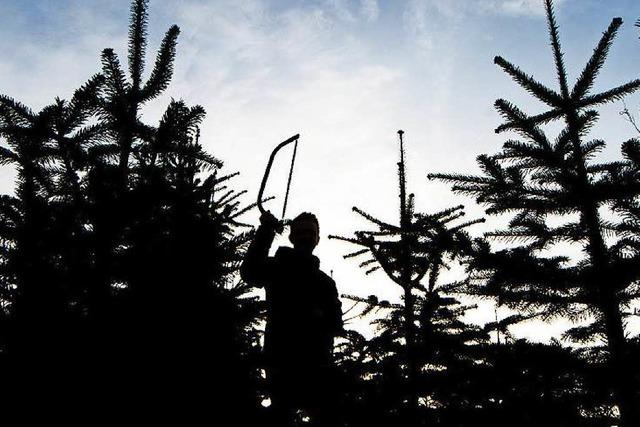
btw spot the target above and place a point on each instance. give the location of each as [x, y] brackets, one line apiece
[119, 254]
[118, 108]
[537, 180]
[36, 302]
[416, 249]
[122, 98]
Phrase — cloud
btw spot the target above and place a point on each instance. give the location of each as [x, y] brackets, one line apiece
[426, 20]
[459, 8]
[369, 9]
[342, 10]
[352, 11]
[416, 19]
[517, 7]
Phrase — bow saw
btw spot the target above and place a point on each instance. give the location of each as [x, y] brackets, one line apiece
[268, 170]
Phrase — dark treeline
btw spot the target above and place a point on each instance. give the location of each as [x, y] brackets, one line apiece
[121, 244]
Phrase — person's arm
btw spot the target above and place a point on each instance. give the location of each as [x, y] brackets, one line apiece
[257, 267]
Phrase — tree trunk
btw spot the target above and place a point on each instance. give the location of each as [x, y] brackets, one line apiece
[619, 363]
[607, 303]
[409, 326]
[609, 306]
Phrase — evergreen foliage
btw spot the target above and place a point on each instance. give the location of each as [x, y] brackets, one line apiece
[425, 333]
[539, 182]
[119, 253]
[120, 246]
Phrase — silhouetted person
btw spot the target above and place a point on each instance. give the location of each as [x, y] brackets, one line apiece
[303, 316]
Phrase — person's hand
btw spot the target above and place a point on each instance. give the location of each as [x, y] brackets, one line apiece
[271, 222]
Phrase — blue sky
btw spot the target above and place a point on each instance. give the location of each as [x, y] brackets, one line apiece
[346, 74]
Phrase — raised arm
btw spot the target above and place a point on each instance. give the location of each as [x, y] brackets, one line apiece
[257, 267]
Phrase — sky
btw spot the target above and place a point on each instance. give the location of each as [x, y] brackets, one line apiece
[346, 75]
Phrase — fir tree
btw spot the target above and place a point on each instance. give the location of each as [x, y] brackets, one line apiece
[118, 108]
[122, 98]
[38, 297]
[119, 254]
[537, 180]
[418, 248]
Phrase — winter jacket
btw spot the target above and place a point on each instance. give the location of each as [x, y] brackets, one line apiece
[304, 313]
